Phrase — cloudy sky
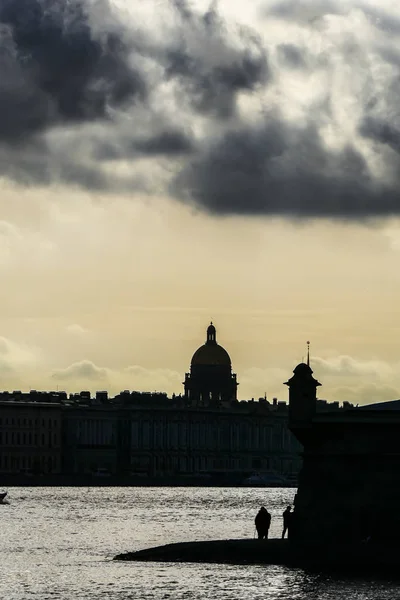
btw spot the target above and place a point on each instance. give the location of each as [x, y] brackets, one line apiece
[165, 163]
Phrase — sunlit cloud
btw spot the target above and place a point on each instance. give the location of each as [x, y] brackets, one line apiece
[75, 329]
[84, 370]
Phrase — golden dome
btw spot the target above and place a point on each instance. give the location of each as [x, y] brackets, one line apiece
[211, 355]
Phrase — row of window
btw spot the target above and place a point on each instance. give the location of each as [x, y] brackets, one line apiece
[233, 436]
[95, 432]
[16, 463]
[17, 438]
[26, 422]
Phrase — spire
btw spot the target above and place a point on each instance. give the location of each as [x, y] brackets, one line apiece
[308, 353]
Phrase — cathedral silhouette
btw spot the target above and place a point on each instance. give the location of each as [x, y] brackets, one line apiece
[211, 382]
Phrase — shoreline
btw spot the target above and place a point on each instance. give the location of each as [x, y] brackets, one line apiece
[131, 481]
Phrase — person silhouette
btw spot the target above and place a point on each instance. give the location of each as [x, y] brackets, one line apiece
[262, 523]
[287, 517]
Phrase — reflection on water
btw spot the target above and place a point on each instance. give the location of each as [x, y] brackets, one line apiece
[57, 543]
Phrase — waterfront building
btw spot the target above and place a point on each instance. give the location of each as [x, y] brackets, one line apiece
[205, 431]
[30, 433]
[147, 435]
[243, 438]
[152, 435]
[90, 439]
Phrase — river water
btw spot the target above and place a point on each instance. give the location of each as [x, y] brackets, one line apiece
[58, 543]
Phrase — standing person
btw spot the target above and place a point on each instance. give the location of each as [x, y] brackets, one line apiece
[262, 522]
[287, 517]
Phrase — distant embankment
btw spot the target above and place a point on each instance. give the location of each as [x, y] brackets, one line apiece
[362, 559]
[87, 480]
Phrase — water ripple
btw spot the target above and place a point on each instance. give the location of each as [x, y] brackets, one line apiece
[57, 543]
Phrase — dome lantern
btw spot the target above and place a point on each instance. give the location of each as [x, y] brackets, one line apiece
[211, 334]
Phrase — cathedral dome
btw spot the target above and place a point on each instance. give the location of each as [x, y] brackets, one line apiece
[211, 353]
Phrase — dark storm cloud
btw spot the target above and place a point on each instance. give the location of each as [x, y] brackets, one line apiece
[381, 132]
[277, 170]
[170, 142]
[54, 70]
[32, 163]
[291, 56]
[277, 167]
[81, 88]
[225, 64]
[167, 142]
[70, 63]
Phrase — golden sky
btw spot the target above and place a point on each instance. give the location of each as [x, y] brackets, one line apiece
[119, 296]
[262, 197]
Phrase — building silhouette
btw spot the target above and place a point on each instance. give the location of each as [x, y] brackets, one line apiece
[206, 431]
[30, 432]
[210, 382]
[349, 483]
[142, 435]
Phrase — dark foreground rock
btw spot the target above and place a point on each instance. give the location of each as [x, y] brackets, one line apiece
[216, 551]
[363, 559]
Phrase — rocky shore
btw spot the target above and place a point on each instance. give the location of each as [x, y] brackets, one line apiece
[363, 559]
